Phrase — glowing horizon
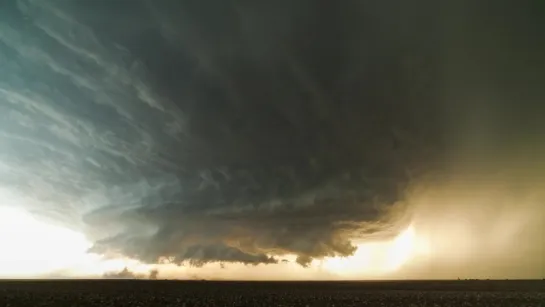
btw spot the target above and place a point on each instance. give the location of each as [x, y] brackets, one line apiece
[65, 251]
[447, 242]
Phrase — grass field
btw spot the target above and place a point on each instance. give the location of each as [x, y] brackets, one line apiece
[221, 293]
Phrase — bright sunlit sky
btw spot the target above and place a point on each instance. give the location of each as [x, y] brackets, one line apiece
[451, 245]
[32, 248]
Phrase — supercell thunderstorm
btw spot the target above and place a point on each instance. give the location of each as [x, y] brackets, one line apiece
[240, 132]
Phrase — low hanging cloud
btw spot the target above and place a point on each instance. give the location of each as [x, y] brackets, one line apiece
[181, 132]
[126, 273]
[123, 274]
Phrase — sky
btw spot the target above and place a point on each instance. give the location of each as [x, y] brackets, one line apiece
[272, 140]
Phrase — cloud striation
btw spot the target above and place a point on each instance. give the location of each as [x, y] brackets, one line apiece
[241, 132]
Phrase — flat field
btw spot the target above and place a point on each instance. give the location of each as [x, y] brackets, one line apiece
[158, 293]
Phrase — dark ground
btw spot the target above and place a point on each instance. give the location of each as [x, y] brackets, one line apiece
[216, 293]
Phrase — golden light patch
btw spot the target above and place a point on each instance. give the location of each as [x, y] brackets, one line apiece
[378, 258]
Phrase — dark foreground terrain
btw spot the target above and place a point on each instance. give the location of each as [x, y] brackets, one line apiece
[214, 293]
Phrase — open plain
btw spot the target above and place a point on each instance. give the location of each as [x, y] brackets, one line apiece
[222, 293]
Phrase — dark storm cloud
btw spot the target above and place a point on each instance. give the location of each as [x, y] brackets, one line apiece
[125, 273]
[225, 132]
